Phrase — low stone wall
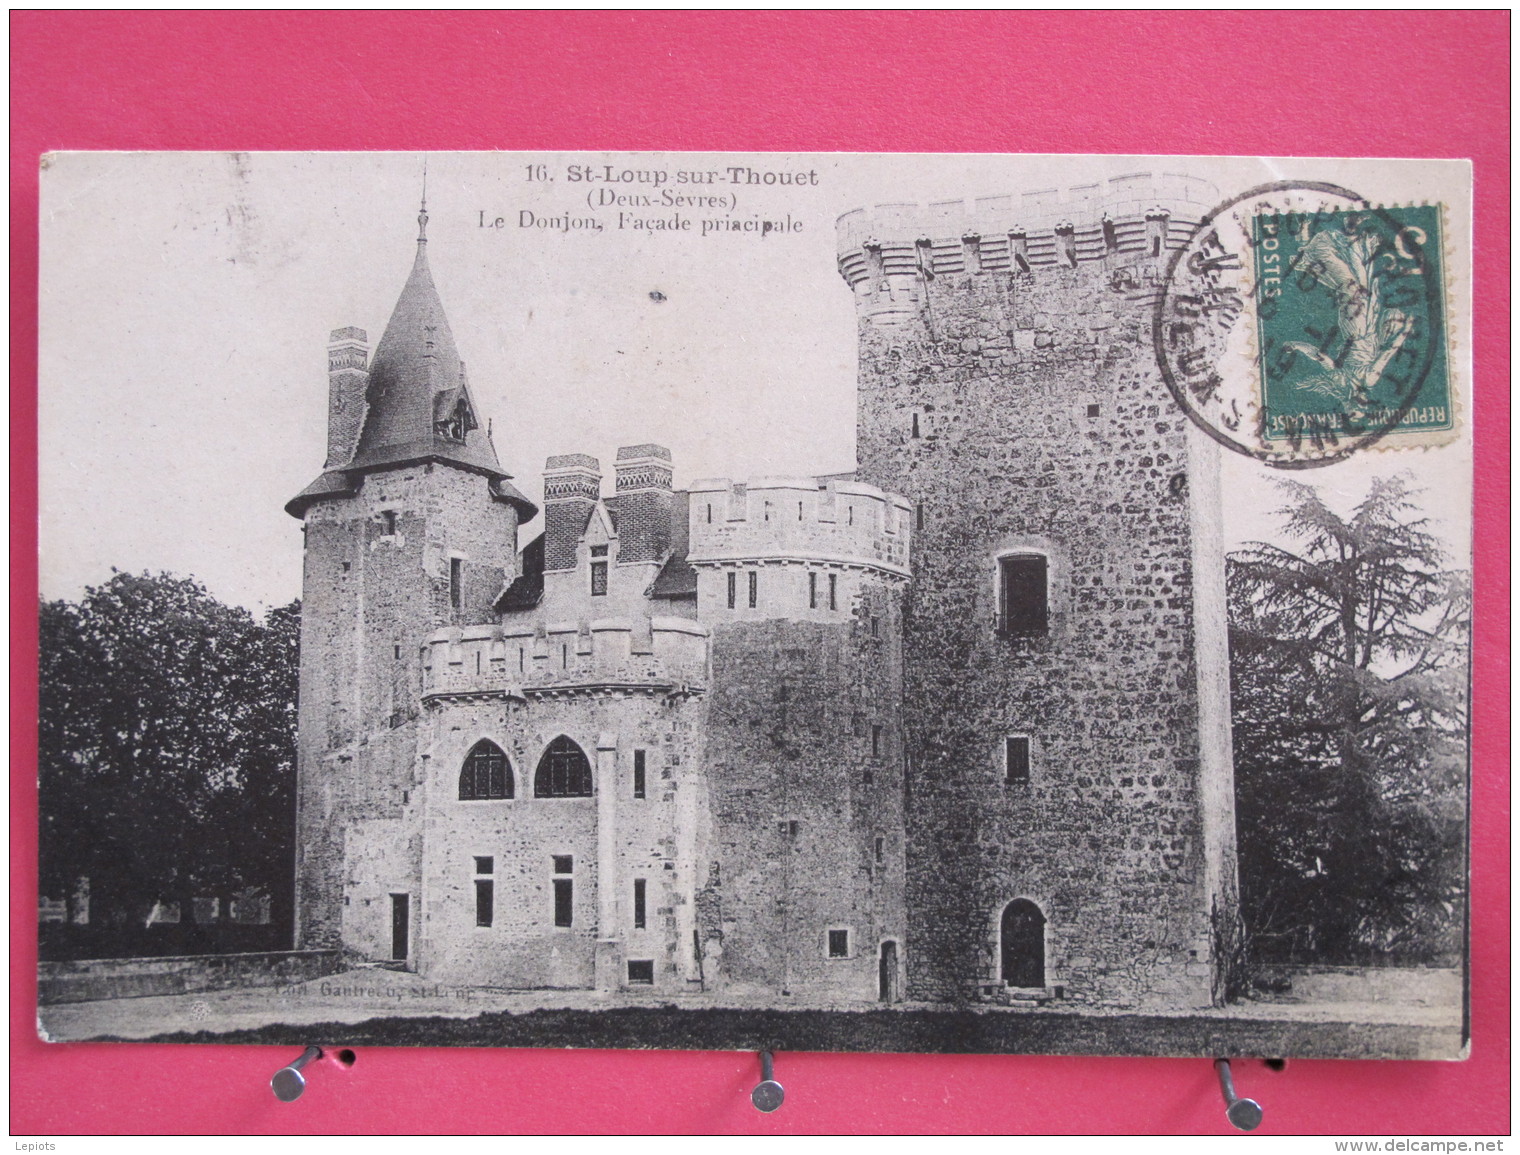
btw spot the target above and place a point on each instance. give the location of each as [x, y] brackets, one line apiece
[86, 980]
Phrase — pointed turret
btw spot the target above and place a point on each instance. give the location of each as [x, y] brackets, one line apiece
[417, 404]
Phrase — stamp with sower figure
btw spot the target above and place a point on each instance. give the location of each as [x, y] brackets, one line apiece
[1301, 324]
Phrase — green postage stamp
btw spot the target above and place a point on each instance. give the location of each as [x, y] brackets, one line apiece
[1351, 327]
[1302, 323]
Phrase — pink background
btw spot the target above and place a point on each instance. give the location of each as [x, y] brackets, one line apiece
[1295, 83]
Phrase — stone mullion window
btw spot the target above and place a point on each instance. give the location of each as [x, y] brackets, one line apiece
[485, 891]
[564, 890]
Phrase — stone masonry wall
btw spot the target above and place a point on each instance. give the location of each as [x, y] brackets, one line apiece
[655, 838]
[376, 582]
[1021, 409]
[804, 758]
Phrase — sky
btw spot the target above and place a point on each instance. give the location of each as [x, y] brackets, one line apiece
[186, 301]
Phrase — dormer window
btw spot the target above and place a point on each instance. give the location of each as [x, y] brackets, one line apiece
[457, 423]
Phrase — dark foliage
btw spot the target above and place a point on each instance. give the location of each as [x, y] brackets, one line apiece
[166, 764]
[1349, 670]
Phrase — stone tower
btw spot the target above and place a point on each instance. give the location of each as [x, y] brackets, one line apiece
[801, 582]
[411, 527]
[1069, 822]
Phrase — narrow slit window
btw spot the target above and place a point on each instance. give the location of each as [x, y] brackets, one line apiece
[564, 890]
[390, 522]
[875, 741]
[754, 588]
[638, 774]
[733, 588]
[833, 591]
[456, 581]
[638, 904]
[881, 849]
[812, 591]
[709, 513]
[485, 901]
[915, 425]
[1016, 759]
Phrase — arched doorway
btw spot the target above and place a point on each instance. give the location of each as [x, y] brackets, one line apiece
[887, 980]
[1023, 944]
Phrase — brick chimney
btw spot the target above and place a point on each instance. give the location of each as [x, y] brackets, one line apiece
[644, 502]
[572, 487]
[347, 379]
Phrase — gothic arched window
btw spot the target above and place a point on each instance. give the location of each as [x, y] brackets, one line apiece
[486, 773]
[563, 771]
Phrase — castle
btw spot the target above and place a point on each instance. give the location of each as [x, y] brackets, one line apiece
[952, 728]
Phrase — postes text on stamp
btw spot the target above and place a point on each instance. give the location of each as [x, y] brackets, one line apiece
[1301, 324]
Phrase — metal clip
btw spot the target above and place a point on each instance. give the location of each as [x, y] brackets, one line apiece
[1242, 1113]
[768, 1094]
[288, 1082]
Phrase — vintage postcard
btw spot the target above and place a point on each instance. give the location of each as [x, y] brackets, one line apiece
[814, 602]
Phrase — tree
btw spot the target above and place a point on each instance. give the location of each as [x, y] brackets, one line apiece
[166, 745]
[1349, 669]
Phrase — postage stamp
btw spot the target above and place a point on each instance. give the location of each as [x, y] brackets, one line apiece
[1302, 324]
[1349, 309]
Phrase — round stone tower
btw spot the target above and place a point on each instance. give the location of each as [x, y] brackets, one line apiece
[412, 526]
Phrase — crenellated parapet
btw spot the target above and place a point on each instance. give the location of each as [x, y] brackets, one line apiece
[822, 521]
[656, 656]
[886, 252]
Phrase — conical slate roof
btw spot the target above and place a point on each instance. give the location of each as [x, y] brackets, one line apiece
[417, 404]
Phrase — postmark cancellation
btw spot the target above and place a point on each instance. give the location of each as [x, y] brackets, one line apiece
[1302, 324]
